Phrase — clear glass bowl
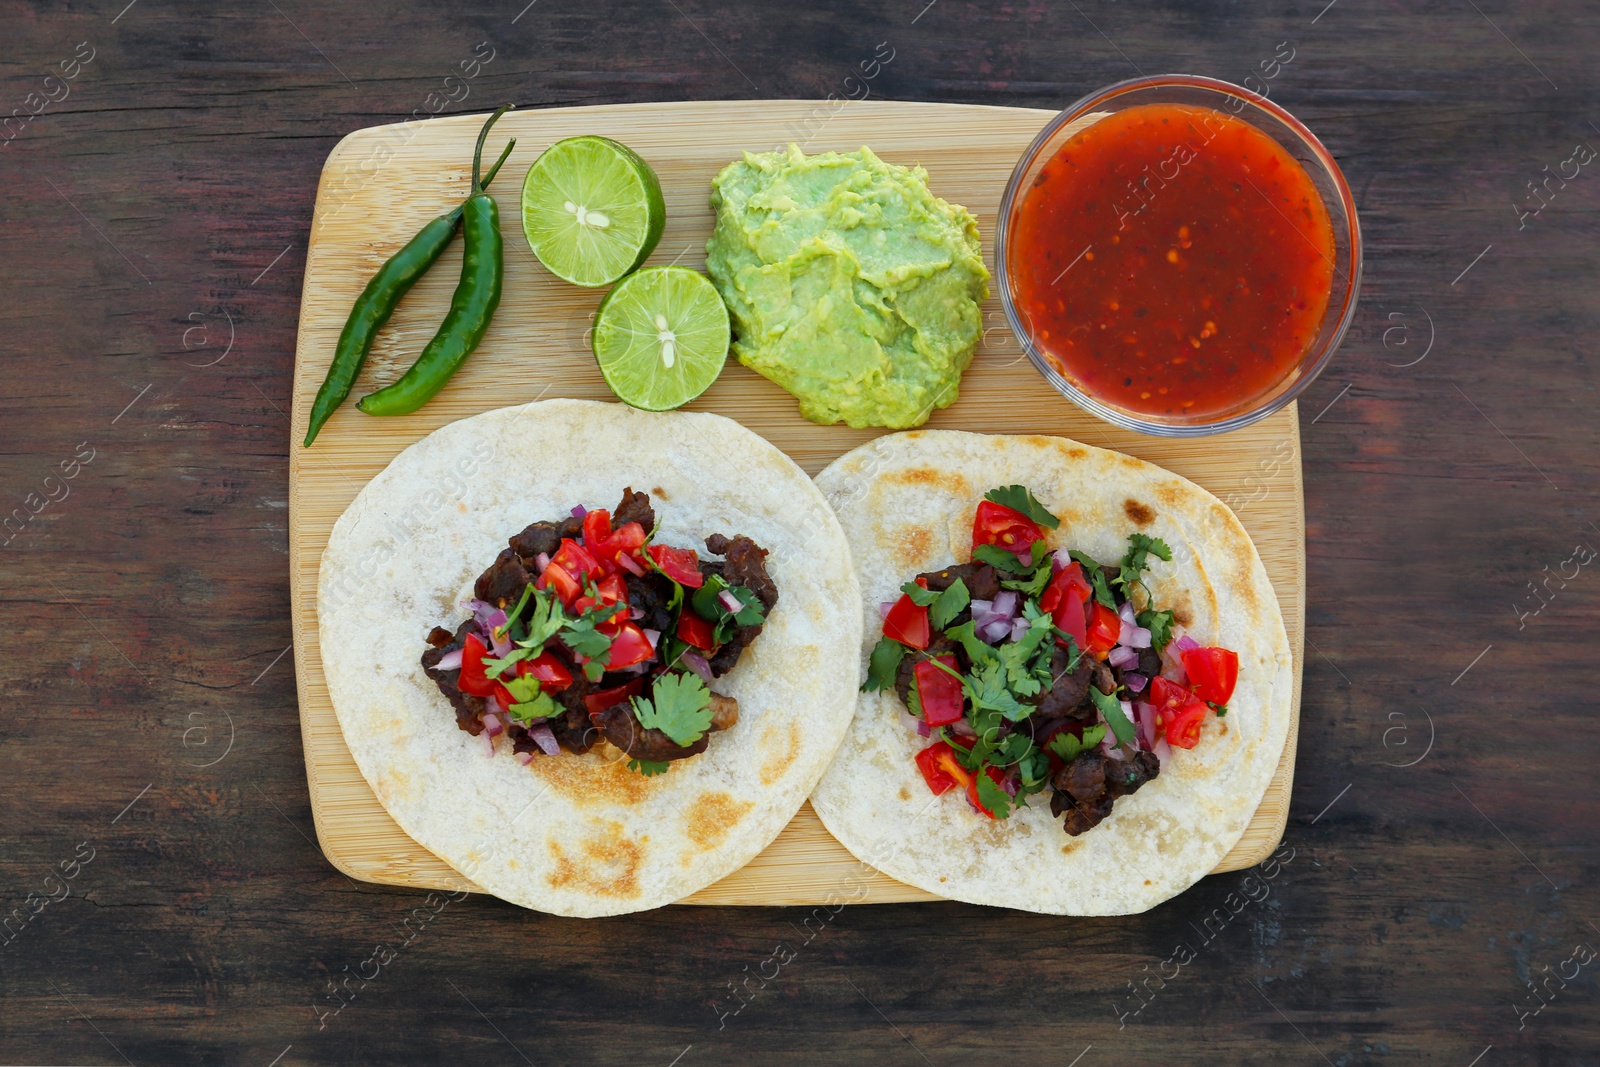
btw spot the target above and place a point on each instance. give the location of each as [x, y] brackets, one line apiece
[1270, 119]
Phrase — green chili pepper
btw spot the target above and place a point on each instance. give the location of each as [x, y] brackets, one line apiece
[477, 295]
[379, 299]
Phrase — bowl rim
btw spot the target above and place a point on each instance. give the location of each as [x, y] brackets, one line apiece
[1084, 105]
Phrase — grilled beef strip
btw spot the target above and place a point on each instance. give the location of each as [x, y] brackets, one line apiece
[744, 563]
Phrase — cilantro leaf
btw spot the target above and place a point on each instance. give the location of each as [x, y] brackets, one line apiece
[648, 768]
[1003, 559]
[1159, 623]
[1027, 660]
[1140, 548]
[1035, 585]
[1020, 498]
[679, 706]
[885, 662]
[546, 619]
[492, 667]
[583, 636]
[978, 651]
[1070, 748]
[948, 604]
[919, 596]
[539, 706]
[992, 797]
[1111, 708]
[594, 670]
[1097, 578]
[987, 688]
[707, 603]
[511, 616]
[1073, 651]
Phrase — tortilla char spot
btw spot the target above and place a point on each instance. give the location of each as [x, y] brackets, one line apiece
[931, 477]
[709, 820]
[913, 549]
[660, 492]
[1138, 513]
[609, 866]
[777, 763]
[1038, 442]
[905, 794]
[1181, 613]
[1071, 451]
[593, 778]
[1170, 494]
[461, 506]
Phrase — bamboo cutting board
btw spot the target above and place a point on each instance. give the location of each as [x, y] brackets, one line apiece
[381, 185]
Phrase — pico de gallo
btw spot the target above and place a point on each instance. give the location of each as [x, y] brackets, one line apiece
[583, 629]
[1030, 669]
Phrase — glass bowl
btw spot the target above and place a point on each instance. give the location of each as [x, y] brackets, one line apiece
[1266, 117]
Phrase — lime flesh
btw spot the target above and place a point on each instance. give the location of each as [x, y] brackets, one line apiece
[592, 210]
[661, 337]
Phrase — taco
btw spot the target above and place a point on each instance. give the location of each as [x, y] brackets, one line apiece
[1078, 683]
[627, 703]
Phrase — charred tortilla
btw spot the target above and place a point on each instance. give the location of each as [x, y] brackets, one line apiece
[906, 503]
[582, 834]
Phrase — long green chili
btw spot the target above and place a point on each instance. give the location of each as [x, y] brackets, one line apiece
[476, 297]
[393, 280]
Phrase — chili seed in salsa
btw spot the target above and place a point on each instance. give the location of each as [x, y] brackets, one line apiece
[1173, 260]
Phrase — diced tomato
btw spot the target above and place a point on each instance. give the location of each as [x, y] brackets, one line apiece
[473, 680]
[599, 701]
[556, 578]
[908, 623]
[996, 524]
[596, 530]
[574, 559]
[682, 565]
[940, 768]
[628, 538]
[629, 645]
[552, 673]
[1068, 584]
[996, 775]
[612, 590]
[939, 691]
[1213, 672]
[693, 630]
[1179, 713]
[1064, 598]
[1105, 626]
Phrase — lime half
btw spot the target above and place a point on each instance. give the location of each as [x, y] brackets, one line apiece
[592, 210]
[661, 337]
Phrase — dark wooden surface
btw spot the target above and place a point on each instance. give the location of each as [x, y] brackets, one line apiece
[164, 204]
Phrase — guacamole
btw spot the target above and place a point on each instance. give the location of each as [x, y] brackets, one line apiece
[849, 283]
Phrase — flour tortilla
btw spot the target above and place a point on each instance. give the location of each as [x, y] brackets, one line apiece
[906, 502]
[583, 835]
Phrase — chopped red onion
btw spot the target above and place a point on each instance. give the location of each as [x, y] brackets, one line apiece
[1184, 644]
[1163, 752]
[545, 739]
[961, 728]
[995, 630]
[579, 512]
[729, 601]
[500, 642]
[697, 663]
[526, 758]
[1109, 746]
[982, 608]
[1146, 722]
[884, 608]
[493, 706]
[492, 724]
[541, 561]
[450, 661]
[1019, 627]
[482, 613]
[1135, 681]
[653, 636]
[637, 668]
[1133, 635]
[1125, 613]
[487, 744]
[1009, 783]
[923, 729]
[635, 614]
[1005, 603]
[1062, 560]
[629, 564]
[1123, 656]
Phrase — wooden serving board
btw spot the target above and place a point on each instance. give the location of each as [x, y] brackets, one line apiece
[381, 185]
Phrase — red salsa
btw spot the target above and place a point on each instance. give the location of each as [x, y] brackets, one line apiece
[1173, 261]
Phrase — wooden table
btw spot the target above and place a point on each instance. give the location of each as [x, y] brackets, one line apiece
[1441, 849]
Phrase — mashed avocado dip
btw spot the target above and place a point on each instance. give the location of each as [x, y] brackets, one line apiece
[850, 284]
